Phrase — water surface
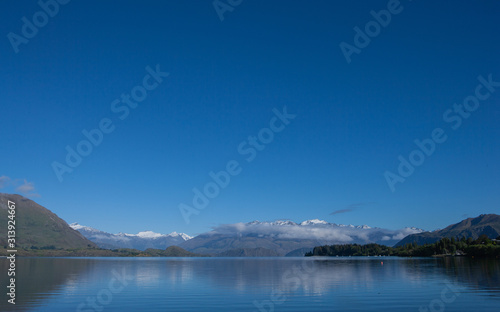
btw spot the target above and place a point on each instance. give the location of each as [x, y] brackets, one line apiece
[254, 284]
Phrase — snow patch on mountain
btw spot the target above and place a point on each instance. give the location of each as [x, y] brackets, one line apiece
[313, 222]
[76, 226]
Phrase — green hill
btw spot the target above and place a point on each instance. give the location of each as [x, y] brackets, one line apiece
[37, 227]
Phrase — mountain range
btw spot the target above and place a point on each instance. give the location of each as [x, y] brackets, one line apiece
[273, 238]
[39, 228]
[140, 241]
[287, 238]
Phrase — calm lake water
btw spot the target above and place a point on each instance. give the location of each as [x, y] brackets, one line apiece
[253, 284]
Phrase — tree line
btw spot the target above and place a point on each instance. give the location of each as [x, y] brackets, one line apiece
[480, 247]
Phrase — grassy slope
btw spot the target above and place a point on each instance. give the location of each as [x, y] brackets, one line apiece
[38, 226]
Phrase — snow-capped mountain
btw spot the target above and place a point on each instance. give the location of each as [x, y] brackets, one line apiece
[79, 227]
[151, 234]
[313, 222]
[286, 237]
[282, 236]
[141, 240]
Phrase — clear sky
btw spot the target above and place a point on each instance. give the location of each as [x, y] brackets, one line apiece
[225, 78]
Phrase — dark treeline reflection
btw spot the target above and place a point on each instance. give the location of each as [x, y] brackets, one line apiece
[480, 274]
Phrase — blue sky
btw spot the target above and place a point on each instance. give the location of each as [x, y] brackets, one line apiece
[352, 120]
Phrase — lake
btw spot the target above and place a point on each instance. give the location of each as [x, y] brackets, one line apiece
[254, 284]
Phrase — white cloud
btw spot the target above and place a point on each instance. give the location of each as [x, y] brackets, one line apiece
[322, 232]
[27, 188]
[21, 186]
[399, 236]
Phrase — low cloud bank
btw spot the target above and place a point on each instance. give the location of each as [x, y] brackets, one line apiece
[322, 232]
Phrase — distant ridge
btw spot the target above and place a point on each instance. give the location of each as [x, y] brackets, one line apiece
[141, 241]
[487, 224]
